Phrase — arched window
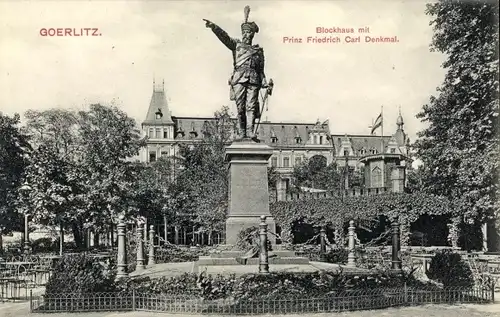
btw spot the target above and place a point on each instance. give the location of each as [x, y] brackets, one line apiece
[377, 177]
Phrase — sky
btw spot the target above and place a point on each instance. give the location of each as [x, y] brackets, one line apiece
[346, 83]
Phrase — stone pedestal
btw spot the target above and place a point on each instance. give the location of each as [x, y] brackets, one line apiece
[248, 188]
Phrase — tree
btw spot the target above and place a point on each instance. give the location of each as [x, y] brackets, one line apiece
[272, 178]
[459, 148]
[108, 138]
[51, 197]
[80, 172]
[315, 173]
[155, 189]
[204, 180]
[13, 151]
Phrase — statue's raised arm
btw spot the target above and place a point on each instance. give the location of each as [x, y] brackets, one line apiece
[221, 34]
[248, 74]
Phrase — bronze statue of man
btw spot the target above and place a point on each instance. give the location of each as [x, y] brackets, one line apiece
[248, 74]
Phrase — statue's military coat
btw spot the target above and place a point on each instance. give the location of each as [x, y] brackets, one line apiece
[248, 62]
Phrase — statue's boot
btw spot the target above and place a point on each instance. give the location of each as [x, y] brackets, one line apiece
[250, 124]
[242, 132]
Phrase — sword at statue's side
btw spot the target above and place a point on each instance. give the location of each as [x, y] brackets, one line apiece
[269, 92]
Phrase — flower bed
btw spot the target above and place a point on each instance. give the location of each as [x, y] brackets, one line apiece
[346, 300]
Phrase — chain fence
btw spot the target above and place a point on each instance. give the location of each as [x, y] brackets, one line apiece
[346, 300]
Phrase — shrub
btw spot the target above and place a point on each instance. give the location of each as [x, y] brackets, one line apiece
[45, 244]
[449, 269]
[312, 251]
[185, 285]
[279, 285]
[249, 238]
[176, 254]
[82, 274]
[337, 255]
[246, 237]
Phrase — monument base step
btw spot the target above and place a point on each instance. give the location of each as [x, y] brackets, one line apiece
[216, 261]
[235, 254]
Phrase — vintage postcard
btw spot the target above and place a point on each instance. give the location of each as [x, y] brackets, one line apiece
[249, 157]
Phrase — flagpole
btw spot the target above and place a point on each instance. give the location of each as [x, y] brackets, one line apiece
[382, 128]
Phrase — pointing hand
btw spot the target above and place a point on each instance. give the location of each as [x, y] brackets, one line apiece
[208, 23]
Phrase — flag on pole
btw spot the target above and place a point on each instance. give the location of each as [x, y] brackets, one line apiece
[377, 123]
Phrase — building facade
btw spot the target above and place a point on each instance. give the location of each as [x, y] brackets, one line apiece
[292, 142]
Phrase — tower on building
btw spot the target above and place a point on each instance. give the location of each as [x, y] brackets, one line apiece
[158, 125]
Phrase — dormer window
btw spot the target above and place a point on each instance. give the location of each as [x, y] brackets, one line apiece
[274, 139]
[393, 151]
[346, 152]
[206, 131]
[158, 114]
[298, 139]
[180, 131]
[193, 132]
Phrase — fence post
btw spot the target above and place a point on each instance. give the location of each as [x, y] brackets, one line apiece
[351, 257]
[322, 234]
[493, 291]
[406, 293]
[122, 249]
[31, 300]
[133, 299]
[396, 248]
[151, 255]
[263, 257]
[140, 246]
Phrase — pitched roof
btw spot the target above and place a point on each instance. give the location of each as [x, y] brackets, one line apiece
[360, 142]
[286, 134]
[158, 104]
[190, 124]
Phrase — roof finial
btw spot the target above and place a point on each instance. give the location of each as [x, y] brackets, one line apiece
[399, 121]
[163, 85]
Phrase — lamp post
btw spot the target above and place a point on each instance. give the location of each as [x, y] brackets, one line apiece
[26, 188]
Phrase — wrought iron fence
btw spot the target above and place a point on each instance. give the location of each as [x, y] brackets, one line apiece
[12, 290]
[15, 284]
[335, 302]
